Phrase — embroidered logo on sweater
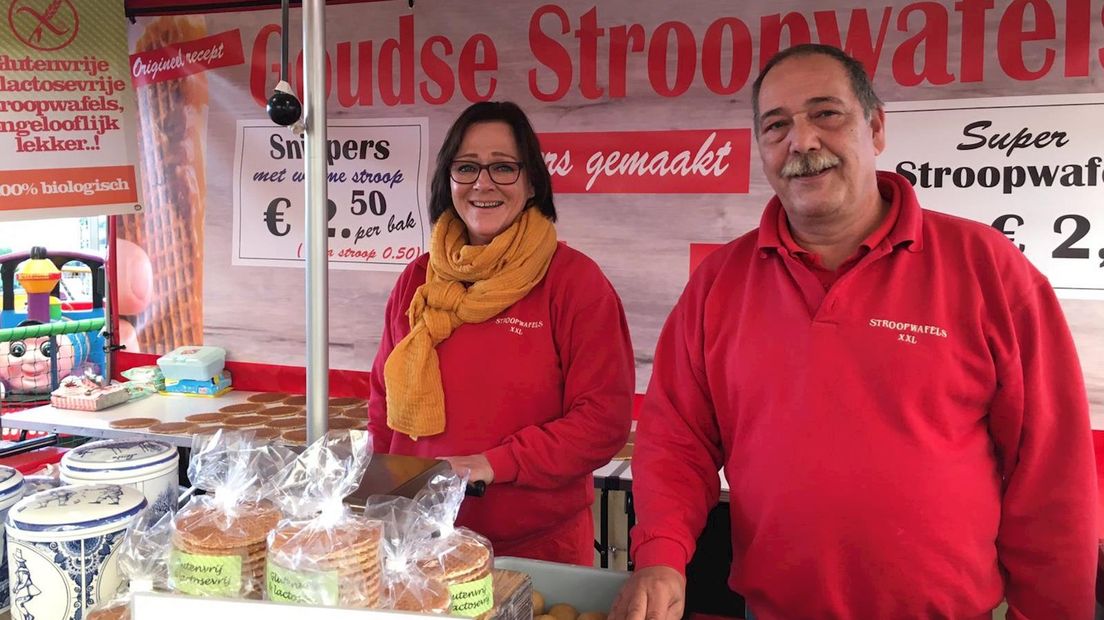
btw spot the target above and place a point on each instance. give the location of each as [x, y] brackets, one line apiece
[517, 326]
[907, 332]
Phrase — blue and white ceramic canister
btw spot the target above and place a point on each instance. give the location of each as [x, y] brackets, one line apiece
[62, 548]
[34, 484]
[11, 491]
[147, 465]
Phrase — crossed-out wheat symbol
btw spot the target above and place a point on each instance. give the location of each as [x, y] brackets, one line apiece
[45, 20]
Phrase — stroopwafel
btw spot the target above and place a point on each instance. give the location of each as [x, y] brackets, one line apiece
[280, 411]
[264, 433]
[296, 436]
[344, 424]
[173, 428]
[285, 424]
[356, 412]
[209, 430]
[347, 402]
[241, 408]
[267, 397]
[207, 418]
[244, 421]
[134, 423]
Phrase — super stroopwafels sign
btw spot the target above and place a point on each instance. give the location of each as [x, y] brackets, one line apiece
[67, 110]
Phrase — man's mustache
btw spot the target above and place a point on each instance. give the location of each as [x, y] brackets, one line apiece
[804, 164]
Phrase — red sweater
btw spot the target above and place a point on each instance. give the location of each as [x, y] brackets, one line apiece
[543, 390]
[912, 442]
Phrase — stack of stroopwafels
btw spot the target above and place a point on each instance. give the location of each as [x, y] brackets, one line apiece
[206, 530]
[466, 561]
[350, 551]
[427, 596]
[461, 559]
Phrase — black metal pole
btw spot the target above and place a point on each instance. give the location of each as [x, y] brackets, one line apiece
[285, 9]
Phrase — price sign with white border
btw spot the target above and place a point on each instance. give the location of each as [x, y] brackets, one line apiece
[1032, 167]
[376, 208]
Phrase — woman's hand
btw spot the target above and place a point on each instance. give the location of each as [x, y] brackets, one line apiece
[476, 466]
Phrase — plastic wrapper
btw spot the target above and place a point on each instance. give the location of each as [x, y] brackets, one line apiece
[146, 374]
[458, 557]
[219, 540]
[322, 554]
[143, 381]
[143, 564]
[137, 391]
[407, 531]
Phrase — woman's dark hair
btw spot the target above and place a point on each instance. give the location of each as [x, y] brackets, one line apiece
[440, 191]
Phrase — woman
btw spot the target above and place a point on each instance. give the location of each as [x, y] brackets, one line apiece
[503, 351]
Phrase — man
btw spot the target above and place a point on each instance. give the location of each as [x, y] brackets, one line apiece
[893, 393]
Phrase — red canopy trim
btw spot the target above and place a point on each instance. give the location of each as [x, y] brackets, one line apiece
[135, 8]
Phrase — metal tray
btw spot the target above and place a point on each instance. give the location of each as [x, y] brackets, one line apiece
[585, 589]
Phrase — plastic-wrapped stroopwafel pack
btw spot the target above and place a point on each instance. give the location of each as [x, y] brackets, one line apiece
[408, 531]
[219, 540]
[323, 554]
[458, 557]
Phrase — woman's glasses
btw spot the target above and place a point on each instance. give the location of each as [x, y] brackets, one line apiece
[501, 172]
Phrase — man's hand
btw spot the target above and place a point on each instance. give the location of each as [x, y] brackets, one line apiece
[476, 466]
[653, 593]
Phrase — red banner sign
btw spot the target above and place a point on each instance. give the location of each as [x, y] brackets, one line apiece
[175, 61]
[699, 161]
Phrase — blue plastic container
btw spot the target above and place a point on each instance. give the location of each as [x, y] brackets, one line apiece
[193, 363]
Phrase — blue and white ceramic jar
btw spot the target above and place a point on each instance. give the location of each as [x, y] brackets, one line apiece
[62, 546]
[147, 465]
[11, 491]
[34, 484]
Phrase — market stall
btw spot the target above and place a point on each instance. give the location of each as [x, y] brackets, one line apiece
[214, 209]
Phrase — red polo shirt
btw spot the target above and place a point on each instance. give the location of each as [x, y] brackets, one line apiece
[912, 442]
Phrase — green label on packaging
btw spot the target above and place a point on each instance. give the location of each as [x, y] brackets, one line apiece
[205, 575]
[295, 586]
[472, 598]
